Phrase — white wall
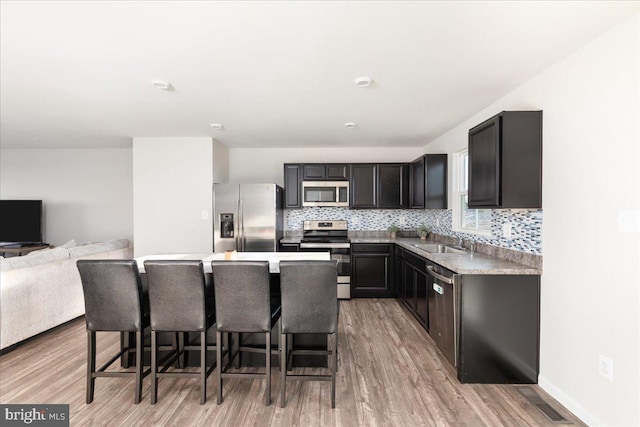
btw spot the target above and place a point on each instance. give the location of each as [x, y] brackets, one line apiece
[266, 164]
[87, 193]
[590, 286]
[220, 162]
[172, 188]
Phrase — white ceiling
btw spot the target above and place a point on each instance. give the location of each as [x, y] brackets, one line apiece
[275, 74]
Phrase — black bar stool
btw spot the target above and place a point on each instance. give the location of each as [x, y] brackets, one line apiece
[179, 302]
[113, 301]
[244, 305]
[309, 306]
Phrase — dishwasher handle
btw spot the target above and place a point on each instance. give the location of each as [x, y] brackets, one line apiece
[440, 277]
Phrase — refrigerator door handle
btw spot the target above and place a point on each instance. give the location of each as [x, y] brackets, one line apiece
[237, 226]
[241, 225]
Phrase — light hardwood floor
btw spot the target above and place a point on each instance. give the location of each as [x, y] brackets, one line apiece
[390, 373]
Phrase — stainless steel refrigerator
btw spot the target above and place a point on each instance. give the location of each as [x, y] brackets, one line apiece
[247, 217]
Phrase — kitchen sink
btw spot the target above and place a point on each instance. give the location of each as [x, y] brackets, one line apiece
[439, 249]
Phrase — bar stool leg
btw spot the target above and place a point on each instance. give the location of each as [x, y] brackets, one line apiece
[283, 368]
[268, 373]
[175, 345]
[139, 363]
[203, 367]
[219, 365]
[91, 365]
[124, 343]
[154, 368]
[237, 337]
[334, 367]
[225, 347]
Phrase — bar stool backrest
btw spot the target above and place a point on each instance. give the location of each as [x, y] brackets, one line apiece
[112, 294]
[243, 295]
[309, 296]
[176, 295]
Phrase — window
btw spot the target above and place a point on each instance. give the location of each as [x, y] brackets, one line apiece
[477, 221]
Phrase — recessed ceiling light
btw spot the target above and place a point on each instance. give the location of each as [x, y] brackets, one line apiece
[363, 81]
[161, 84]
[216, 126]
[350, 125]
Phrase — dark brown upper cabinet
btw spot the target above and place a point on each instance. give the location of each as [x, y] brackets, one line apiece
[313, 172]
[393, 185]
[325, 172]
[416, 184]
[292, 187]
[505, 161]
[428, 182]
[363, 187]
[337, 171]
[381, 185]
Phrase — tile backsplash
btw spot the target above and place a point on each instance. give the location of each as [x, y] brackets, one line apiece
[526, 232]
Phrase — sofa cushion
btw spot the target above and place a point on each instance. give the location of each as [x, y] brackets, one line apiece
[94, 248]
[90, 249]
[117, 244]
[70, 244]
[41, 257]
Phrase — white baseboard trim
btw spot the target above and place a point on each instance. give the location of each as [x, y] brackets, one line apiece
[577, 410]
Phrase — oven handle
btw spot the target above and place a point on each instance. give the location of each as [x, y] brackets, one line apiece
[325, 245]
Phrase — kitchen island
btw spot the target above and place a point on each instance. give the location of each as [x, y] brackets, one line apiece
[248, 359]
[274, 258]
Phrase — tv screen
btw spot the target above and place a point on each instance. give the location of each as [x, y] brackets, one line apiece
[21, 221]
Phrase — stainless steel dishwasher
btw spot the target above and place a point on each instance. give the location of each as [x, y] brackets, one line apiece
[443, 315]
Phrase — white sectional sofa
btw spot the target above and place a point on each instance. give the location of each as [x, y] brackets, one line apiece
[42, 290]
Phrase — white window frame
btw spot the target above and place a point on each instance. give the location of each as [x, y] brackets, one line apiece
[460, 179]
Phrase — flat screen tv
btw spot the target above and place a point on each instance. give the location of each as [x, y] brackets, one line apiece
[21, 221]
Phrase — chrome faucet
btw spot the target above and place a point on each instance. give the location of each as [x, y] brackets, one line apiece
[472, 246]
[459, 241]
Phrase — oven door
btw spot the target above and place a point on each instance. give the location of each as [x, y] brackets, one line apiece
[341, 253]
[343, 258]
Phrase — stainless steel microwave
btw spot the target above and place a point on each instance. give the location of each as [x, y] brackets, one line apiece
[325, 193]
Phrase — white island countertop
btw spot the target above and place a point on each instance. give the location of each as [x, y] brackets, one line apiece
[274, 258]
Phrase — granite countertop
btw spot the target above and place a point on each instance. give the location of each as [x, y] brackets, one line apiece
[477, 263]
[292, 239]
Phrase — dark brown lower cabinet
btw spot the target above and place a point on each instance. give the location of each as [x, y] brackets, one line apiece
[499, 329]
[398, 260]
[487, 326]
[422, 302]
[288, 247]
[414, 279]
[408, 286]
[371, 270]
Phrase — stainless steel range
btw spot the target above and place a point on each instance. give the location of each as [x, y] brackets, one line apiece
[331, 236]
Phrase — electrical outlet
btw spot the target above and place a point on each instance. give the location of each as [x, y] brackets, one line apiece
[506, 230]
[437, 222]
[605, 367]
[402, 221]
[204, 214]
[355, 220]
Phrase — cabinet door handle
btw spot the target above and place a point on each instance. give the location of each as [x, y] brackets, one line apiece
[439, 276]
